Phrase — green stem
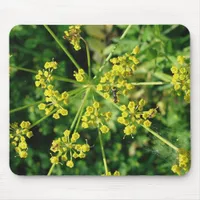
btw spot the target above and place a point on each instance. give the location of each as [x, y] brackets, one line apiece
[24, 69]
[51, 169]
[59, 78]
[103, 152]
[149, 83]
[62, 47]
[26, 106]
[79, 110]
[161, 138]
[88, 56]
[42, 119]
[114, 48]
[68, 80]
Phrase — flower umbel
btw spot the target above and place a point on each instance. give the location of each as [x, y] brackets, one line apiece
[73, 36]
[53, 99]
[118, 77]
[44, 77]
[94, 117]
[66, 149]
[80, 75]
[133, 114]
[183, 162]
[18, 136]
[181, 78]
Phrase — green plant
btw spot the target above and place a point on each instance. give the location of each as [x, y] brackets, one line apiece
[101, 96]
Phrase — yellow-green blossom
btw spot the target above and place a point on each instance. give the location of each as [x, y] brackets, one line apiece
[73, 36]
[18, 135]
[66, 148]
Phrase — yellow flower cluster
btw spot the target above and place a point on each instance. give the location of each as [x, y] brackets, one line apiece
[18, 135]
[80, 75]
[44, 77]
[123, 68]
[181, 78]
[66, 149]
[133, 113]
[116, 173]
[73, 36]
[94, 117]
[183, 162]
[53, 99]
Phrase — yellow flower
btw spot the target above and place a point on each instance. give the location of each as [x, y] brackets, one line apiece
[128, 130]
[96, 104]
[136, 50]
[54, 160]
[124, 114]
[56, 116]
[67, 133]
[99, 87]
[174, 69]
[181, 59]
[42, 106]
[121, 120]
[63, 112]
[23, 154]
[122, 107]
[106, 95]
[104, 129]
[84, 125]
[103, 79]
[70, 164]
[131, 105]
[85, 147]
[147, 123]
[116, 173]
[73, 36]
[79, 77]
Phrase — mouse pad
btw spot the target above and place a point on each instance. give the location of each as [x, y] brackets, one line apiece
[107, 100]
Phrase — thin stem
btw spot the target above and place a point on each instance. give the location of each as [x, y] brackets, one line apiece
[26, 106]
[79, 110]
[59, 78]
[161, 138]
[24, 69]
[88, 56]
[103, 152]
[42, 119]
[114, 48]
[79, 118]
[51, 169]
[68, 80]
[62, 47]
[149, 83]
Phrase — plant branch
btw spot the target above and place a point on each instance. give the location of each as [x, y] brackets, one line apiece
[62, 47]
[26, 106]
[42, 119]
[88, 56]
[103, 152]
[161, 138]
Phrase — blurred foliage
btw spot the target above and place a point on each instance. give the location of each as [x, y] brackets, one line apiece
[31, 46]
